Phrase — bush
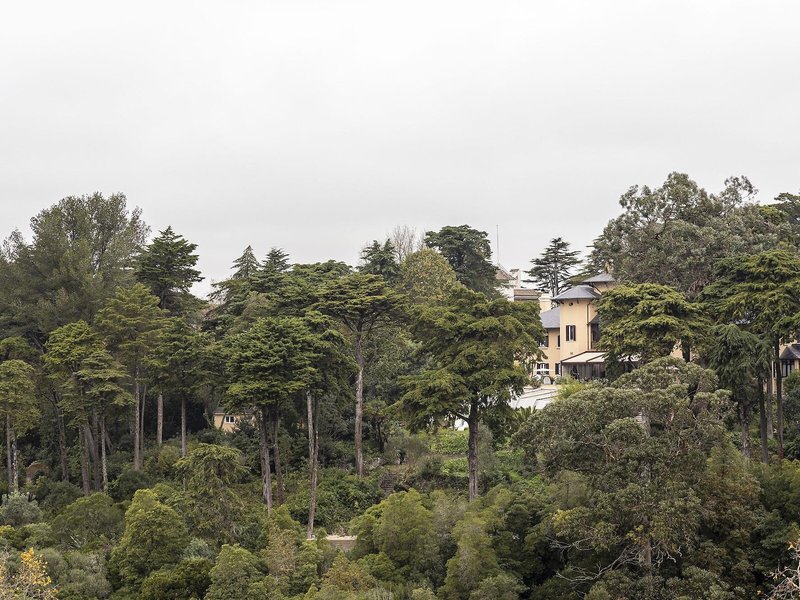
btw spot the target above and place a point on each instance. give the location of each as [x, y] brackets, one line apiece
[340, 497]
[449, 441]
[124, 486]
[53, 496]
[17, 510]
[87, 521]
[190, 579]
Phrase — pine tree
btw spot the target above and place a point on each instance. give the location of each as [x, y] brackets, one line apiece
[362, 302]
[132, 323]
[380, 260]
[167, 266]
[469, 253]
[553, 269]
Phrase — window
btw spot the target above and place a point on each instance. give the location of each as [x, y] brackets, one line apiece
[558, 341]
[788, 367]
[542, 368]
[558, 368]
[546, 342]
[230, 419]
[570, 333]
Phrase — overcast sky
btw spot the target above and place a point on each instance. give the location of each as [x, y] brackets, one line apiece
[318, 126]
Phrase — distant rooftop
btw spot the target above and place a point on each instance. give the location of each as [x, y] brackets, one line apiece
[579, 292]
[601, 278]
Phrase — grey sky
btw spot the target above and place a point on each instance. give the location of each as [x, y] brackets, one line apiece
[318, 126]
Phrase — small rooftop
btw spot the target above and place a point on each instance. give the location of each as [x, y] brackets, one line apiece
[791, 352]
[551, 319]
[601, 278]
[579, 292]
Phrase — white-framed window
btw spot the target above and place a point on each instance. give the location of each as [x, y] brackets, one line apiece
[542, 368]
[571, 333]
[230, 419]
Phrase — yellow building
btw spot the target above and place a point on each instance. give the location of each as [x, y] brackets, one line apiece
[229, 422]
[573, 330]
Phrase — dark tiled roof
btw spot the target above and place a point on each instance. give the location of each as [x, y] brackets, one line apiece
[579, 292]
[791, 352]
[601, 278]
[551, 318]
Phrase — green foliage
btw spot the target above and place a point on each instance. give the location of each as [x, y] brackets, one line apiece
[675, 234]
[553, 269]
[167, 267]
[87, 521]
[469, 253]
[426, 277]
[124, 486]
[154, 537]
[82, 250]
[380, 260]
[17, 510]
[646, 321]
[189, 579]
[399, 529]
[234, 576]
[211, 506]
[642, 445]
[340, 497]
[449, 441]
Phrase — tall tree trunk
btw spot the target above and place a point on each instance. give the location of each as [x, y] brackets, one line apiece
[762, 422]
[279, 488]
[770, 394]
[779, 397]
[104, 463]
[313, 461]
[472, 452]
[13, 459]
[744, 420]
[62, 444]
[141, 425]
[183, 426]
[266, 476]
[160, 420]
[359, 406]
[87, 489]
[91, 446]
[8, 450]
[137, 456]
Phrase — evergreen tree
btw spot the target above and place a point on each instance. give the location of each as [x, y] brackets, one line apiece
[760, 292]
[377, 259]
[469, 253]
[154, 537]
[18, 409]
[82, 249]
[647, 321]
[132, 324]
[267, 366]
[741, 360]
[167, 267]
[362, 302]
[477, 348]
[553, 269]
[89, 379]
